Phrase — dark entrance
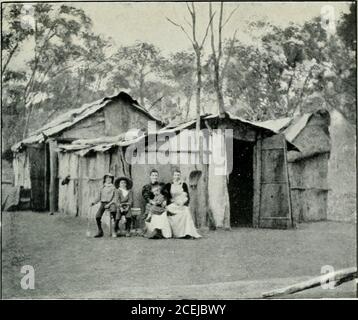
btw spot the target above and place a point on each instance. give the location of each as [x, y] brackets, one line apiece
[241, 184]
[40, 176]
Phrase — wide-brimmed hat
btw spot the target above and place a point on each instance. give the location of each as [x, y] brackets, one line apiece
[129, 182]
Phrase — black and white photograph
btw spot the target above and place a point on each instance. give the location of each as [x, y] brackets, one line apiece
[178, 151]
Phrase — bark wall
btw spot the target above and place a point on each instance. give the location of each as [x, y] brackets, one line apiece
[88, 128]
[342, 196]
[309, 170]
[21, 167]
[68, 167]
[309, 188]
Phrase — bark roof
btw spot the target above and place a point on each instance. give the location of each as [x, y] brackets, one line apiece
[73, 116]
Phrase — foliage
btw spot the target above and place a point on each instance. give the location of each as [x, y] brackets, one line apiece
[284, 71]
[292, 70]
[347, 29]
[66, 56]
[133, 65]
[180, 71]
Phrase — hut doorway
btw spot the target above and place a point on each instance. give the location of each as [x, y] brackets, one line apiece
[240, 187]
[40, 176]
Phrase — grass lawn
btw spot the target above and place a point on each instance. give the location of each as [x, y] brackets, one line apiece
[240, 263]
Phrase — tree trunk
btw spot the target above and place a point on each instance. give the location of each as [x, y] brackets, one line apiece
[203, 182]
[141, 93]
[218, 90]
[9, 58]
[141, 88]
[187, 105]
[198, 91]
[27, 122]
[216, 59]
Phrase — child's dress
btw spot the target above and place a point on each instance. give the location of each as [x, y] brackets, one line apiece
[157, 208]
[157, 218]
[124, 204]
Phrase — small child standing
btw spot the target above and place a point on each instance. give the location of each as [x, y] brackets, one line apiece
[107, 196]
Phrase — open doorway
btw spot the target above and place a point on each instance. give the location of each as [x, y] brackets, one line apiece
[39, 175]
[241, 184]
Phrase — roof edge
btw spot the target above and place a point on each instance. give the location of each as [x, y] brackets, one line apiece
[38, 135]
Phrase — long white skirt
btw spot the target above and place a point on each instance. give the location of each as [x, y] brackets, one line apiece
[159, 222]
[181, 222]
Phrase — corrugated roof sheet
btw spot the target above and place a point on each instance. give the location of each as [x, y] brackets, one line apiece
[275, 125]
[102, 144]
[296, 126]
[290, 126]
[73, 116]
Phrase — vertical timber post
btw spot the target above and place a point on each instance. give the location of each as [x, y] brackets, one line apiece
[257, 182]
[53, 176]
[288, 183]
[45, 180]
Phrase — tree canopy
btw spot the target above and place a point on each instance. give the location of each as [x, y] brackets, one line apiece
[287, 71]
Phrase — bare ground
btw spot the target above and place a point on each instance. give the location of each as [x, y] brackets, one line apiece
[241, 263]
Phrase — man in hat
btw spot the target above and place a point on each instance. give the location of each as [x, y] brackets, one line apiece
[107, 197]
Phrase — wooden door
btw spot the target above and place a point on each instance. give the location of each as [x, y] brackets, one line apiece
[38, 176]
[273, 207]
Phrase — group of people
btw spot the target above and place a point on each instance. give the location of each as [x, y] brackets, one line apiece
[166, 213]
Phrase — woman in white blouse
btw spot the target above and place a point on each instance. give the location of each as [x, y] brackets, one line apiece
[179, 215]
